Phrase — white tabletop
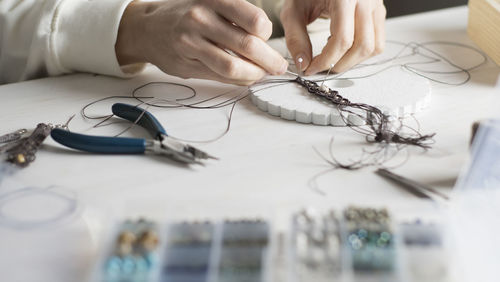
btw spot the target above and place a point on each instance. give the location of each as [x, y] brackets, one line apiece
[265, 168]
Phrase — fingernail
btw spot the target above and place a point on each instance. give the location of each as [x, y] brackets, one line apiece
[301, 62]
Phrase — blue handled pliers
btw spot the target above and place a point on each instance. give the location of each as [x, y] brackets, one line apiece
[161, 143]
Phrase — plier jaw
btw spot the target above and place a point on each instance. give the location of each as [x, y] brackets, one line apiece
[197, 153]
[159, 148]
[177, 150]
[185, 149]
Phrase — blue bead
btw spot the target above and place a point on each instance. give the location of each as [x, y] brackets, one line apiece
[141, 265]
[128, 265]
[113, 265]
[150, 259]
[362, 233]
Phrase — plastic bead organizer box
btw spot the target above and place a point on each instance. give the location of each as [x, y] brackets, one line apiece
[358, 244]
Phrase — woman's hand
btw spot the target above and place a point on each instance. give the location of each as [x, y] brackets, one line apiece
[357, 32]
[190, 39]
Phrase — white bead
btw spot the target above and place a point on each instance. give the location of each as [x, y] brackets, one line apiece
[324, 88]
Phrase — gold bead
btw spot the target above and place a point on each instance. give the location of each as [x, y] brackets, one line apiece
[20, 158]
[149, 240]
[126, 237]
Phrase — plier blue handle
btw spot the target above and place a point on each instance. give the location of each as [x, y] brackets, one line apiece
[160, 144]
[141, 117]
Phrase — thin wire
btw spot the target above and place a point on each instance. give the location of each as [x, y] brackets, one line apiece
[69, 212]
[381, 154]
[176, 103]
[232, 97]
[416, 50]
[134, 93]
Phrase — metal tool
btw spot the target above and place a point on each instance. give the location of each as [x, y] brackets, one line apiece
[10, 140]
[416, 188]
[23, 151]
[161, 143]
[13, 136]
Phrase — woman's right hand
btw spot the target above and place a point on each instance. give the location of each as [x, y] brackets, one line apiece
[189, 39]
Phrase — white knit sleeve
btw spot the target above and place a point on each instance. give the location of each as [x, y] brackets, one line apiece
[52, 37]
[84, 36]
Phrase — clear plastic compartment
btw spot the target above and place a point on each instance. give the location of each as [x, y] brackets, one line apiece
[353, 245]
[244, 252]
[208, 251]
[188, 251]
[315, 247]
[131, 254]
[365, 245]
[425, 249]
[369, 245]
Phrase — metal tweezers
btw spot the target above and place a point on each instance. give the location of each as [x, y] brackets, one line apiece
[418, 189]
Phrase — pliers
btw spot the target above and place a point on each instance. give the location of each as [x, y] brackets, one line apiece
[161, 143]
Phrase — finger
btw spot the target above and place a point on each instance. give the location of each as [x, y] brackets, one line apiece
[342, 29]
[297, 38]
[224, 64]
[364, 39]
[204, 72]
[245, 15]
[249, 46]
[379, 21]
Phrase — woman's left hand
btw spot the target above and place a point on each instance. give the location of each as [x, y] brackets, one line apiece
[357, 32]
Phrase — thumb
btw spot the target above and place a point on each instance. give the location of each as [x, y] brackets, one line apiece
[297, 38]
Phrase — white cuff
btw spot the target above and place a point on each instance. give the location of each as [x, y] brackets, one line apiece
[84, 36]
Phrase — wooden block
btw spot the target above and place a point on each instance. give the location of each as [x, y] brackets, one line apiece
[484, 26]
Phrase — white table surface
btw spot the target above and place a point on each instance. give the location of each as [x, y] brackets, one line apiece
[265, 166]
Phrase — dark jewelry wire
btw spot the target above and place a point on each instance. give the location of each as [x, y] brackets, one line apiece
[375, 130]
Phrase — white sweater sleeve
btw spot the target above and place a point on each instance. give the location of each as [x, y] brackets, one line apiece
[52, 37]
